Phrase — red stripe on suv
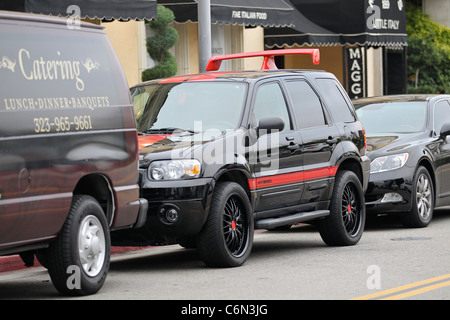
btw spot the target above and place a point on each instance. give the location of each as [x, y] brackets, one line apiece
[287, 178]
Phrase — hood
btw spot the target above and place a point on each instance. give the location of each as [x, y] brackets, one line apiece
[178, 142]
[390, 142]
[148, 140]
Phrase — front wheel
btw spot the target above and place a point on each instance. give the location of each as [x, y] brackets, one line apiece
[345, 224]
[227, 236]
[78, 260]
[422, 201]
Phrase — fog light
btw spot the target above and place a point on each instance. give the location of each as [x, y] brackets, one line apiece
[392, 197]
[169, 214]
[172, 215]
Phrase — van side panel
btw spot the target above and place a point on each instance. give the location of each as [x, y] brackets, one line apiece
[65, 113]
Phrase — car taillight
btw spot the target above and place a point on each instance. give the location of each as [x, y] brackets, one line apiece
[365, 139]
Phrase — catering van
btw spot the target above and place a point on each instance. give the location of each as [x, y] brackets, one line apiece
[68, 149]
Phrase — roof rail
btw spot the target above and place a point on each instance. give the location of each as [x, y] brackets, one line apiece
[269, 61]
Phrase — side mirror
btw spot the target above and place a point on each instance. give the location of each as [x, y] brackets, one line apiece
[269, 124]
[445, 131]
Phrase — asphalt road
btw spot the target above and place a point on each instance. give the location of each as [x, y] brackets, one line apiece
[389, 262]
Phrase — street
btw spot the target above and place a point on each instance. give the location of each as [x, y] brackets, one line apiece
[284, 265]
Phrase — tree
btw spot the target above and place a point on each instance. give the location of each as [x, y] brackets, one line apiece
[158, 45]
[428, 52]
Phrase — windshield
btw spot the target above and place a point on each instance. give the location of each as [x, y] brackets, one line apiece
[393, 117]
[193, 107]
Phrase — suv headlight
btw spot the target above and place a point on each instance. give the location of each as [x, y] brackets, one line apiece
[388, 163]
[174, 169]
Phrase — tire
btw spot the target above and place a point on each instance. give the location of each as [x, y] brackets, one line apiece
[345, 224]
[84, 235]
[226, 239]
[422, 200]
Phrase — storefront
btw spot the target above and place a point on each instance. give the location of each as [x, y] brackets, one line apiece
[367, 38]
[363, 42]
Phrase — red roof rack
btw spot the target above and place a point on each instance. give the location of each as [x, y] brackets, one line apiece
[268, 63]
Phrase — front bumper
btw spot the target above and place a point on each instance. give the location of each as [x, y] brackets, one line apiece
[385, 189]
[190, 200]
[365, 163]
[142, 214]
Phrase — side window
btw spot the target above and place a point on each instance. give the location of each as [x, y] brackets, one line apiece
[307, 107]
[338, 105]
[441, 115]
[270, 102]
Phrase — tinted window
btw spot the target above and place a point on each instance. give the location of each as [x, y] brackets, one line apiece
[336, 102]
[270, 103]
[308, 109]
[59, 70]
[441, 115]
[58, 81]
[398, 117]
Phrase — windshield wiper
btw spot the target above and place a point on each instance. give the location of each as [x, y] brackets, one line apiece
[168, 130]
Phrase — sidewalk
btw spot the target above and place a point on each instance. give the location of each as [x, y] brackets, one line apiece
[14, 262]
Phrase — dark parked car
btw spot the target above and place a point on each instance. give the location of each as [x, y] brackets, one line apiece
[410, 154]
[68, 149]
[223, 153]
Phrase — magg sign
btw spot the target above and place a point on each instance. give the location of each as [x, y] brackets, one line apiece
[355, 71]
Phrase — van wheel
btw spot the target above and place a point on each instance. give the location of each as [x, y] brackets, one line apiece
[78, 260]
[227, 236]
[345, 224]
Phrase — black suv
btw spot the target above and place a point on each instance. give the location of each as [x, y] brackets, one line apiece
[223, 153]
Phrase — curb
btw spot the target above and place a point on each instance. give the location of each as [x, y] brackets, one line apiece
[14, 262]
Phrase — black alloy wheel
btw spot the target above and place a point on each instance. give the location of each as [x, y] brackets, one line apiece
[235, 228]
[350, 210]
[345, 224]
[226, 239]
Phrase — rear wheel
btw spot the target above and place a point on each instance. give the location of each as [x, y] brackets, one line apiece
[345, 224]
[78, 260]
[227, 236]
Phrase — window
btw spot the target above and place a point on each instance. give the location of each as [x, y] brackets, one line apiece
[270, 103]
[397, 116]
[340, 109]
[191, 106]
[441, 115]
[308, 109]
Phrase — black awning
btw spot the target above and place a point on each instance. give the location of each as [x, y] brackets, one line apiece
[305, 32]
[241, 12]
[101, 9]
[371, 23]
